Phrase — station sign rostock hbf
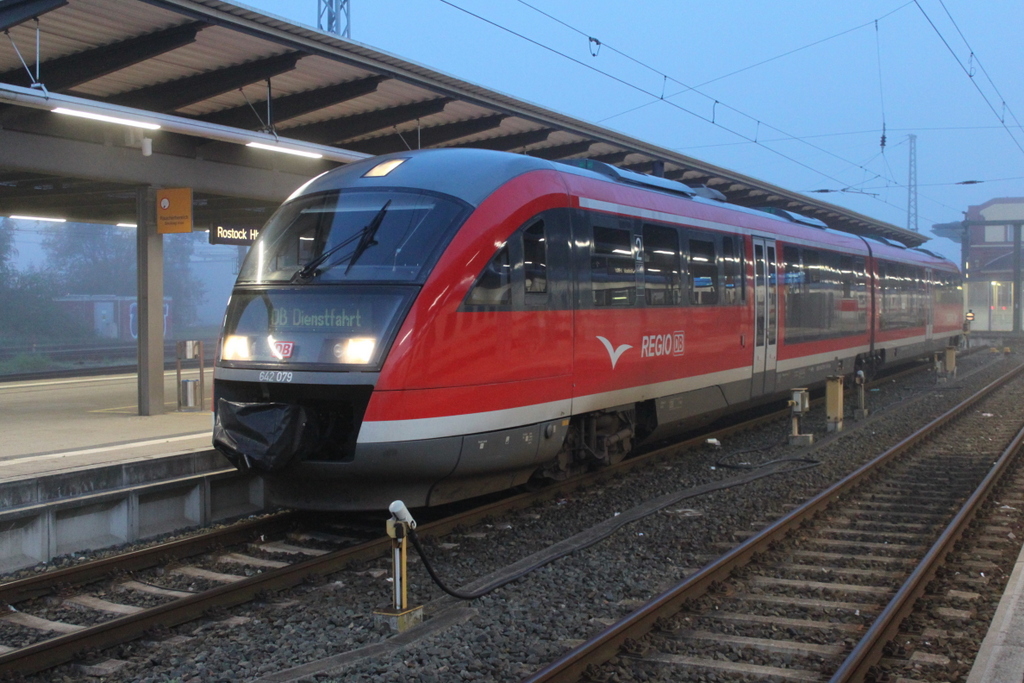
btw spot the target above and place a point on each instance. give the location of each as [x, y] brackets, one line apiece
[226, 234]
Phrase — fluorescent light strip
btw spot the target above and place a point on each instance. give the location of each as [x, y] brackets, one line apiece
[104, 117]
[127, 225]
[28, 97]
[40, 218]
[285, 150]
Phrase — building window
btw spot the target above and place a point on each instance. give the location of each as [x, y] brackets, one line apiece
[998, 233]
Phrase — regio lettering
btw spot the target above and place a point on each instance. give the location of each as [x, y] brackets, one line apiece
[654, 345]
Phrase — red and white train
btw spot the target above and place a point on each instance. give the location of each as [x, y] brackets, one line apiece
[437, 325]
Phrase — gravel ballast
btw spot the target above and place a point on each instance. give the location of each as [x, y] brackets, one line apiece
[518, 628]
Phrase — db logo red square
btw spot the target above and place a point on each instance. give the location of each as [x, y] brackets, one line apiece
[284, 349]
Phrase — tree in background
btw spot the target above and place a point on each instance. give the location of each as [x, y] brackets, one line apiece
[28, 313]
[7, 252]
[100, 259]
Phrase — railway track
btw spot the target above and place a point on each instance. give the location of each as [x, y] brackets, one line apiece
[820, 594]
[79, 352]
[262, 569]
[76, 360]
[82, 595]
[124, 608]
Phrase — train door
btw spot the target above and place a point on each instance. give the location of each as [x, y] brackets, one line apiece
[766, 329]
[928, 301]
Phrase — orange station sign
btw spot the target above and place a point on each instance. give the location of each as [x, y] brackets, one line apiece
[174, 210]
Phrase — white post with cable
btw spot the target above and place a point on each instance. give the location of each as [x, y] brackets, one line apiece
[400, 616]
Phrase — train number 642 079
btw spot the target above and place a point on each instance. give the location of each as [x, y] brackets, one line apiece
[275, 376]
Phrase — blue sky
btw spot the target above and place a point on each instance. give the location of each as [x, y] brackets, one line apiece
[816, 113]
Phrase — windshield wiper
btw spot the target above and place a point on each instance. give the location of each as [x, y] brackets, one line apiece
[309, 270]
[365, 237]
[366, 240]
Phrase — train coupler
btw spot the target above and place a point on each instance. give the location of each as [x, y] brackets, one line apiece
[400, 617]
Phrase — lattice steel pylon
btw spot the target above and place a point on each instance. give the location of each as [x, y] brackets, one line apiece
[912, 185]
[334, 17]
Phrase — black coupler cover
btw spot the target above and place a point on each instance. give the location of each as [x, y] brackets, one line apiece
[264, 436]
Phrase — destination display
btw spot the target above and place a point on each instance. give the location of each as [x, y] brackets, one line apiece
[314, 325]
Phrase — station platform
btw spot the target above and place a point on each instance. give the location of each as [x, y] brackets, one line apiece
[53, 425]
[81, 470]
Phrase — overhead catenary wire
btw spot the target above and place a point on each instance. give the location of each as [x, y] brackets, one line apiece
[967, 71]
[643, 90]
[977, 59]
[762, 62]
[870, 131]
[687, 88]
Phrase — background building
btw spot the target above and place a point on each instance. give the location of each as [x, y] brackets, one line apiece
[990, 235]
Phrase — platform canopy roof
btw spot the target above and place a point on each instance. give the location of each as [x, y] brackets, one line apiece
[204, 69]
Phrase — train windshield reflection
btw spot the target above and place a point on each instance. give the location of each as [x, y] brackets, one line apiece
[311, 234]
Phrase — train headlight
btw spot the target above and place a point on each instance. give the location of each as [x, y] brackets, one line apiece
[355, 351]
[236, 347]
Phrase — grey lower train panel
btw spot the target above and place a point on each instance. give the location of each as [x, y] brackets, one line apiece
[419, 473]
[378, 474]
[680, 412]
[495, 461]
[810, 375]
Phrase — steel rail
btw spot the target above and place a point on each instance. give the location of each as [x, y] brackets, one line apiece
[605, 645]
[45, 583]
[55, 651]
[869, 650]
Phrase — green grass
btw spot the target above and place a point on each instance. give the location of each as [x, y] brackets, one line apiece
[27, 362]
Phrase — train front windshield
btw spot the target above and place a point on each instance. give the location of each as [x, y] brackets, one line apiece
[353, 236]
[332, 276]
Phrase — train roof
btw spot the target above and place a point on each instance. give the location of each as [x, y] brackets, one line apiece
[474, 174]
[467, 174]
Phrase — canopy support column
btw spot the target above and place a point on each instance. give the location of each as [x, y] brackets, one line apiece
[150, 304]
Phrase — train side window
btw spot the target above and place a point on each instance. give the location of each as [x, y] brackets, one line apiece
[493, 287]
[846, 275]
[535, 259]
[732, 271]
[662, 269]
[812, 266]
[613, 267]
[703, 273]
[795, 293]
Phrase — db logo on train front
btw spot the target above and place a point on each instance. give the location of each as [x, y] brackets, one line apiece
[284, 349]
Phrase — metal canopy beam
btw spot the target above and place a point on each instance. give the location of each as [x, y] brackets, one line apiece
[561, 151]
[14, 12]
[640, 166]
[612, 158]
[348, 127]
[54, 187]
[428, 137]
[167, 97]
[291, 106]
[40, 154]
[63, 73]
[507, 143]
[343, 52]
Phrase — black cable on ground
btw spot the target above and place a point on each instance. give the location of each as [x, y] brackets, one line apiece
[595, 534]
[748, 466]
